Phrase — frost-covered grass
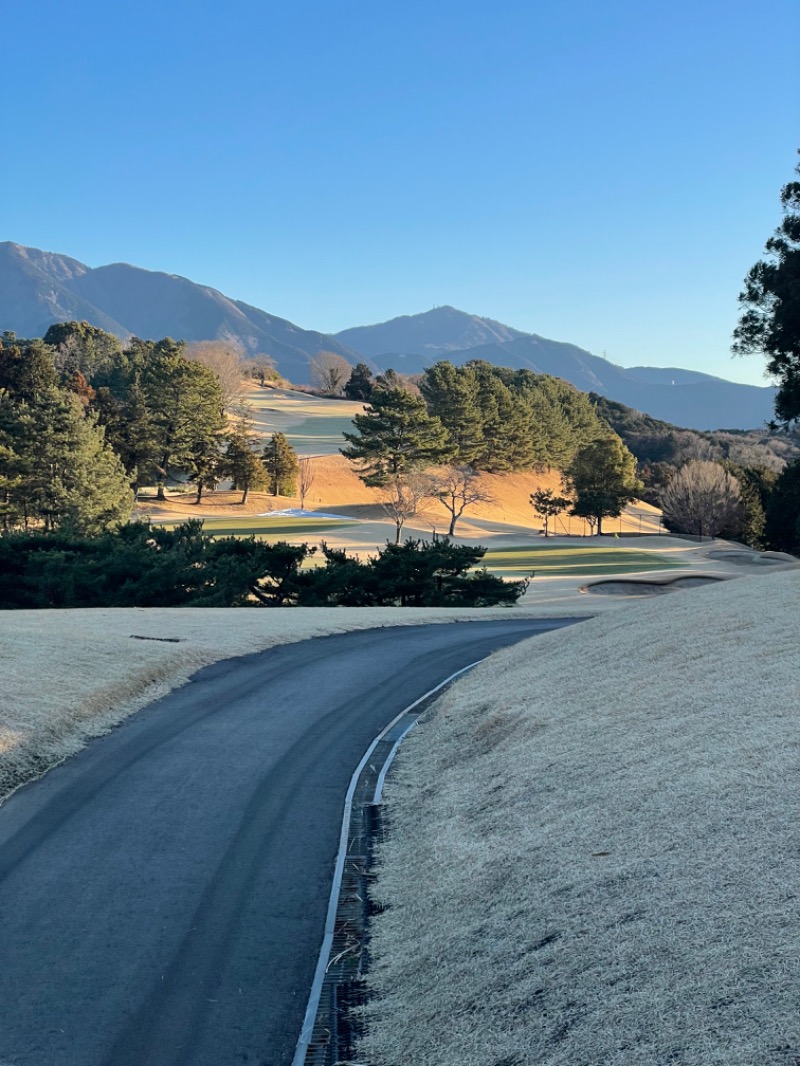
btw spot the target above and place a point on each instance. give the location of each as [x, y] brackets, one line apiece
[312, 424]
[573, 559]
[595, 847]
[71, 675]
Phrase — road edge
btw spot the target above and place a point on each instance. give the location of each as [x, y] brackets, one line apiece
[316, 1036]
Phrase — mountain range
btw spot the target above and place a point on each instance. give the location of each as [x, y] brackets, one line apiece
[38, 288]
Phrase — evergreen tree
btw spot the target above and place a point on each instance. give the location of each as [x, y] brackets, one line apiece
[162, 411]
[507, 439]
[66, 474]
[16, 437]
[389, 379]
[186, 411]
[360, 384]
[139, 566]
[755, 487]
[241, 463]
[27, 368]
[416, 574]
[584, 423]
[551, 433]
[770, 321]
[204, 465]
[81, 347]
[451, 394]
[394, 435]
[280, 463]
[602, 478]
[128, 420]
[782, 528]
[548, 505]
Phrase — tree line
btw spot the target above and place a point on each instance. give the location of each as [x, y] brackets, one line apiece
[85, 422]
[476, 418]
[139, 566]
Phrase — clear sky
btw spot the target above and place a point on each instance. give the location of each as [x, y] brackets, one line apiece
[596, 171]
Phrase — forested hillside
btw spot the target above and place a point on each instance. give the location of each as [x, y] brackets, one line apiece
[412, 343]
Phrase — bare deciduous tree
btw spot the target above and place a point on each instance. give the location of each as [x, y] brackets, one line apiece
[457, 488]
[329, 372]
[226, 359]
[702, 498]
[403, 495]
[305, 479]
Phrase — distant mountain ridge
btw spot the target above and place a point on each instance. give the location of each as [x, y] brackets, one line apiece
[685, 398]
[38, 288]
[432, 334]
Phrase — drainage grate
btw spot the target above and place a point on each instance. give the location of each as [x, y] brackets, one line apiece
[338, 1024]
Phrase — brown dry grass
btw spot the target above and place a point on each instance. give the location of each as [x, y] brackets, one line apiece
[595, 848]
[338, 488]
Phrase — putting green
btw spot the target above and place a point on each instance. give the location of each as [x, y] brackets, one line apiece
[569, 562]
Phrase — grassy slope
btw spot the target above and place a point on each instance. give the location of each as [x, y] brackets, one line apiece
[313, 425]
[595, 847]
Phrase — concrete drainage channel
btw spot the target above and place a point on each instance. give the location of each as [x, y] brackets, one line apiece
[331, 1024]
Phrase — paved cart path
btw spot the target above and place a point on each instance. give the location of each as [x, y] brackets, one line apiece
[163, 894]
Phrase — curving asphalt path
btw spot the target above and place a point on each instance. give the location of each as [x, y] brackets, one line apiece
[163, 894]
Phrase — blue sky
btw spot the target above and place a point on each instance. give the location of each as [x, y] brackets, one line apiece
[596, 171]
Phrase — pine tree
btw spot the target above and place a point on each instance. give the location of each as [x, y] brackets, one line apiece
[451, 394]
[241, 463]
[360, 384]
[16, 436]
[782, 531]
[27, 368]
[71, 477]
[82, 347]
[770, 320]
[280, 463]
[548, 505]
[185, 401]
[394, 435]
[507, 438]
[162, 411]
[602, 478]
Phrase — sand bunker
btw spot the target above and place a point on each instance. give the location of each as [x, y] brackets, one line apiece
[746, 557]
[632, 587]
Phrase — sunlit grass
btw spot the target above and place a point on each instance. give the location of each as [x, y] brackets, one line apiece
[264, 527]
[572, 561]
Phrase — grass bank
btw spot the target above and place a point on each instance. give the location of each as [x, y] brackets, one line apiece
[595, 847]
